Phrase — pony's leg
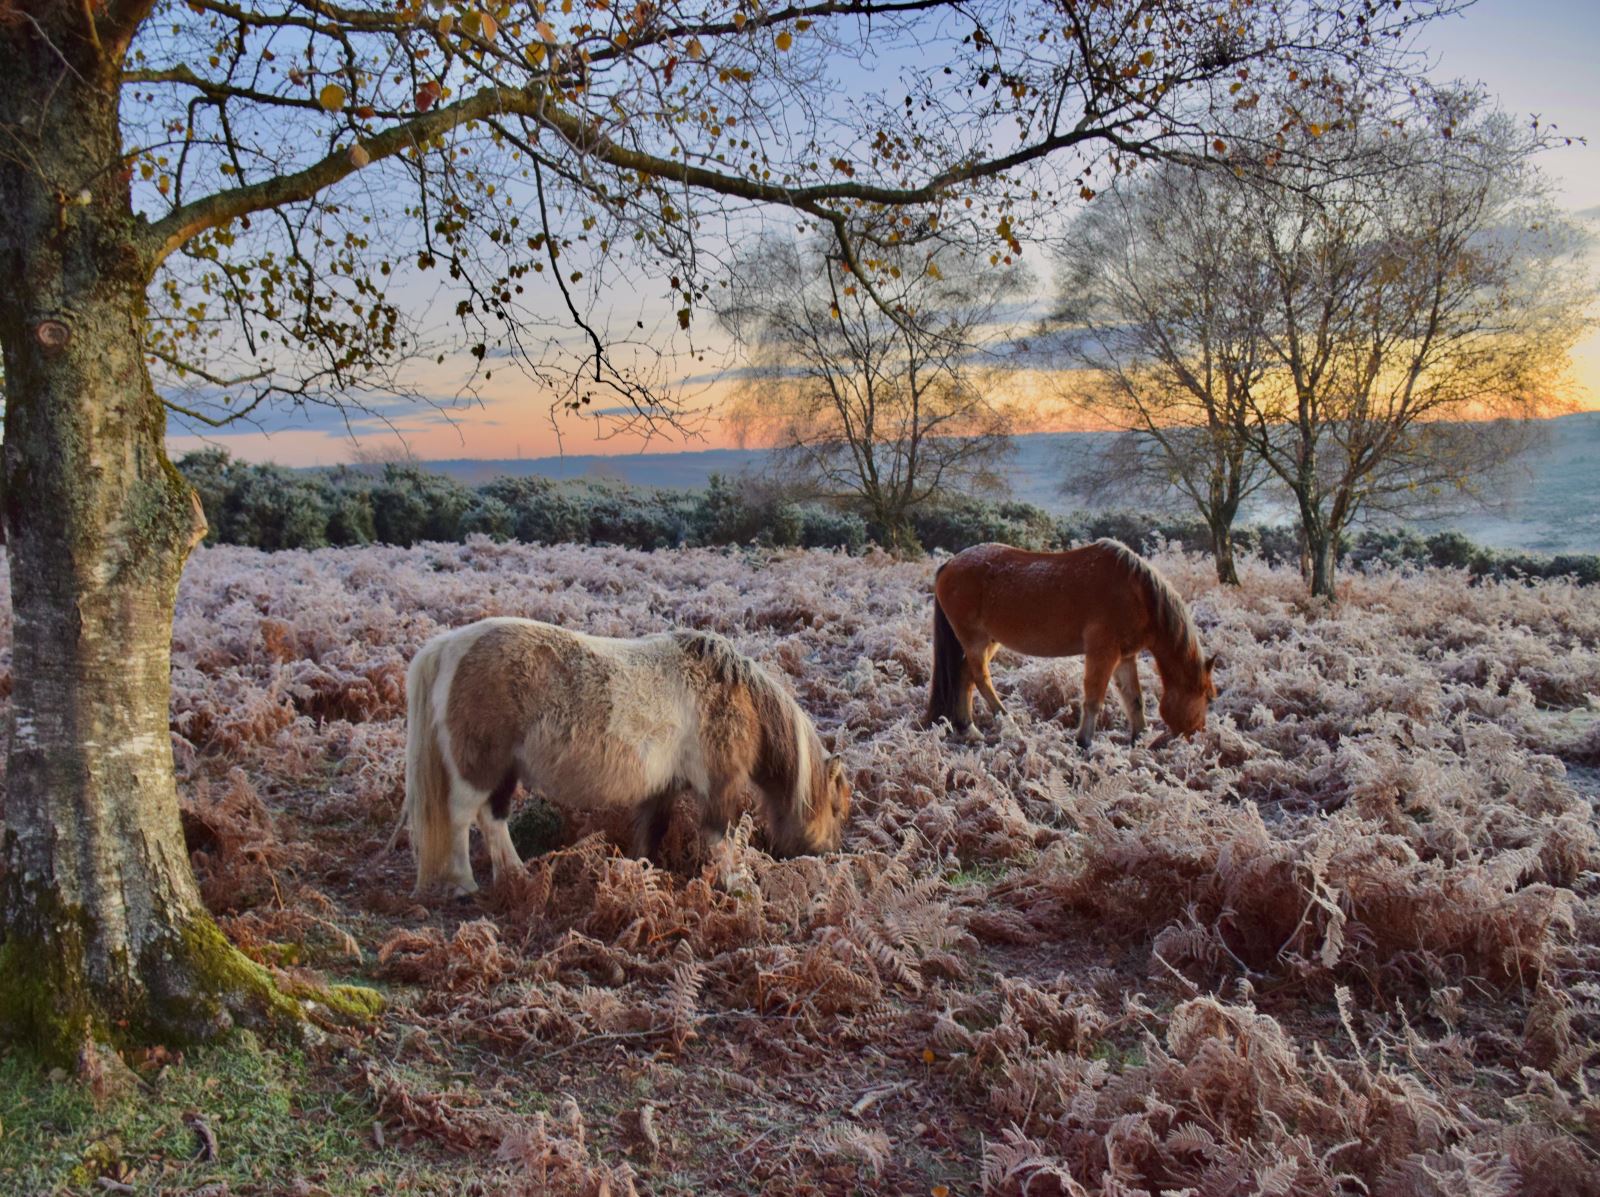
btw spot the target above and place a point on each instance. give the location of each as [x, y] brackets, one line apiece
[1097, 669]
[503, 856]
[465, 803]
[715, 847]
[980, 662]
[1127, 679]
[492, 817]
[963, 701]
[650, 823]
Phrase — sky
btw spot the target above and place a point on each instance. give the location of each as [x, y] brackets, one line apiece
[1535, 56]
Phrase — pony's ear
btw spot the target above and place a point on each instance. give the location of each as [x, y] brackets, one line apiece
[1213, 663]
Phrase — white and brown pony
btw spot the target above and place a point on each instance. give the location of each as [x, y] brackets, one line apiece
[593, 722]
[1102, 601]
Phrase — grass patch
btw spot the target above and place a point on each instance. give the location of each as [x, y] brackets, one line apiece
[275, 1119]
[982, 872]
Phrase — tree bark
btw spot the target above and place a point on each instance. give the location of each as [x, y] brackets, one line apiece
[1323, 549]
[102, 932]
[1222, 554]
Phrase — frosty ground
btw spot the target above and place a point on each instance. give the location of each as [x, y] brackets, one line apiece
[1343, 942]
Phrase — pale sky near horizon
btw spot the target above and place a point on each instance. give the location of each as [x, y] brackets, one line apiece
[1535, 56]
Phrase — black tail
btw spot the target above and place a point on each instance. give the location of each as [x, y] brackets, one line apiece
[948, 659]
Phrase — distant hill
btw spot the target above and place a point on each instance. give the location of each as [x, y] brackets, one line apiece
[1556, 511]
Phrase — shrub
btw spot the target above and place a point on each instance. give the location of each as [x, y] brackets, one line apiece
[349, 509]
[1393, 547]
[638, 519]
[409, 505]
[1584, 569]
[960, 523]
[827, 528]
[1454, 550]
[270, 507]
[489, 517]
[725, 515]
[1275, 544]
[542, 511]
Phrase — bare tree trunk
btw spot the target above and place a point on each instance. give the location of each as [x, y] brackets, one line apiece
[1323, 547]
[1222, 554]
[102, 931]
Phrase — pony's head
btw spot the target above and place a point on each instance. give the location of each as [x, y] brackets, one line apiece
[806, 795]
[814, 825]
[1183, 707]
[830, 808]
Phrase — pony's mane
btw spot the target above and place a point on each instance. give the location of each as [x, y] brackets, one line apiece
[776, 708]
[1171, 612]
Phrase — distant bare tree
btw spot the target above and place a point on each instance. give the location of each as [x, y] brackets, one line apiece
[1418, 320]
[1164, 325]
[1373, 343]
[889, 408]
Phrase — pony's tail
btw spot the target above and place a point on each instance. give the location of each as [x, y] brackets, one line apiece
[949, 658]
[426, 811]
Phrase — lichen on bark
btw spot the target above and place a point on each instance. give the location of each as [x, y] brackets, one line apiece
[188, 986]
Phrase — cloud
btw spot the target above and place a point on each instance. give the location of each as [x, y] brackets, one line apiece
[366, 414]
[659, 410]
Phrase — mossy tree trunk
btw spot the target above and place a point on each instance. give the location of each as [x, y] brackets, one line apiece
[102, 926]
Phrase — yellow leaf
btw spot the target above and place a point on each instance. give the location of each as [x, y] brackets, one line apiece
[1147, 58]
[933, 271]
[472, 23]
[359, 156]
[694, 49]
[738, 20]
[331, 97]
[546, 34]
[784, 40]
[534, 53]
[927, 1055]
[490, 27]
[939, 1191]
[446, 24]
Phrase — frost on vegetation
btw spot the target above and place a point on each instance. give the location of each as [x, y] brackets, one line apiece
[1344, 942]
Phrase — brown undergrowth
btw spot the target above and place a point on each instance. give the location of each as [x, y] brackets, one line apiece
[1343, 942]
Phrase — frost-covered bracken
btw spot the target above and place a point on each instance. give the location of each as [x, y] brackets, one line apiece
[1340, 942]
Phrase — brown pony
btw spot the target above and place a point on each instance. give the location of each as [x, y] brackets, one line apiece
[594, 722]
[1103, 601]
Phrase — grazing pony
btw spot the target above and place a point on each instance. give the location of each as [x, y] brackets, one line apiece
[1103, 601]
[593, 722]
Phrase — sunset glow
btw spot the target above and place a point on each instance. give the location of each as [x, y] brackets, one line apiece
[1536, 57]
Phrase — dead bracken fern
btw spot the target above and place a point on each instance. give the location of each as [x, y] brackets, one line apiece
[1343, 942]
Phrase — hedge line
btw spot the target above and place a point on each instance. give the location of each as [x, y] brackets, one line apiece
[271, 507]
